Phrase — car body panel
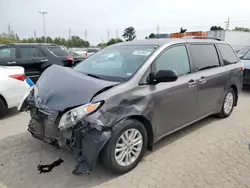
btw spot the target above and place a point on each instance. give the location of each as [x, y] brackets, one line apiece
[12, 90]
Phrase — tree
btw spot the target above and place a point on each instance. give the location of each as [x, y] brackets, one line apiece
[152, 35]
[216, 28]
[129, 34]
[114, 41]
[241, 29]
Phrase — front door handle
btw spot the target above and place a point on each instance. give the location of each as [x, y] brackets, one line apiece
[11, 62]
[192, 83]
[203, 80]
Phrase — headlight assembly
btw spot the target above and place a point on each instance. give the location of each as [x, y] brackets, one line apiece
[71, 117]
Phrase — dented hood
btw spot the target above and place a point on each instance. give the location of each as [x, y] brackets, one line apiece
[59, 88]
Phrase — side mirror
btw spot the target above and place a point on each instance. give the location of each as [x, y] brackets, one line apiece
[166, 76]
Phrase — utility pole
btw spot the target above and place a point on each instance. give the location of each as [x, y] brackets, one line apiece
[69, 33]
[158, 29]
[227, 23]
[9, 29]
[44, 27]
[35, 34]
[117, 34]
[108, 35]
[85, 33]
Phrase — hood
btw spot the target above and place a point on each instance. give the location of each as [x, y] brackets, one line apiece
[59, 88]
[246, 64]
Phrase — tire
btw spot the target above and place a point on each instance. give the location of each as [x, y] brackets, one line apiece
[3, 109]
[108, 155]
[225, 113]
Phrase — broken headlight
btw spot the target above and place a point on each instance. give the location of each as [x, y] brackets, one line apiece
[71, 117]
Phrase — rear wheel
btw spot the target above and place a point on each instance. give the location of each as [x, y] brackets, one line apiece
[228, 103]
[126, 147]
[3, 108]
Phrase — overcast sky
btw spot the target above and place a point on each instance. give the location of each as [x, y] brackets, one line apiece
[99, 16]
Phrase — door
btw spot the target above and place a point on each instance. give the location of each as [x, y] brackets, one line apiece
[210, 76]
[7, 56]
[31, 58]
[174, 102]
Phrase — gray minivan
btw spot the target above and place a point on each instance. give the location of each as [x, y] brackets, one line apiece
[124, 98]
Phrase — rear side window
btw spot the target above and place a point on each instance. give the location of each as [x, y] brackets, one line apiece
[204, 56]
[228, 54]
[30, 52]
[7, 53]
[58, 51]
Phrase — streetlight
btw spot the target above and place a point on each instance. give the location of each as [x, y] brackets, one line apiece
[44, 29]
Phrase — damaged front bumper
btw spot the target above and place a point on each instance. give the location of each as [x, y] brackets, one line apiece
[85, 139]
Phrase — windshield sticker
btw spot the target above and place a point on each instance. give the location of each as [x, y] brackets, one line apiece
[129, 74]
[145, 53]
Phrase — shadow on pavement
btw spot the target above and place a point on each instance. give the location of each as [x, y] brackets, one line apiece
[21, 154]
[11, 112]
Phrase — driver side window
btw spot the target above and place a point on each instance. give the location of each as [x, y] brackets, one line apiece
[176, 59]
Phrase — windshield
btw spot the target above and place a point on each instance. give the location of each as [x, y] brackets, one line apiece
[243, 50]
[247, 56]
[115, 63]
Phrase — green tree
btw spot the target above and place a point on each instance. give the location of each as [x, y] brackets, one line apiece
[129, 34]
[216, 28]
[114, 41]
[241, 29]
[49, 40]
[152, 35]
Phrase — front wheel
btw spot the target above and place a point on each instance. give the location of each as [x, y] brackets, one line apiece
[126, 147]
[228, 103]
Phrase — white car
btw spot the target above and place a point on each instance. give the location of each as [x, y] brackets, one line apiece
[13, 87]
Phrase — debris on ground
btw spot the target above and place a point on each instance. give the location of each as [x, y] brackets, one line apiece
[49, 167]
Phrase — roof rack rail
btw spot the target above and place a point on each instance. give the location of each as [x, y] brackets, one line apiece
[201, 37]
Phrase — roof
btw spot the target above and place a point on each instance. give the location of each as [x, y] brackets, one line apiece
[161, 42]
[23, 44]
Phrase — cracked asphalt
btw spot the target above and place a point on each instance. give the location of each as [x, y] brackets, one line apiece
[211, 153]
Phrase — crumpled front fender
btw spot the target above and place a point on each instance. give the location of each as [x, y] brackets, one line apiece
[89, 144]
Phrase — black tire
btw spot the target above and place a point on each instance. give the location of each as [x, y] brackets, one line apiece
[3, 109]
[107, 155]
[222, 113]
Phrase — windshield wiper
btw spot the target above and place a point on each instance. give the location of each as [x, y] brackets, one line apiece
[94, 76]
[208, 67]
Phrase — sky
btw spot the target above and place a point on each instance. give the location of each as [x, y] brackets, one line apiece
[98, 17]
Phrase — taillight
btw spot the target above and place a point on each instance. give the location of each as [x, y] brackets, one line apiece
[71, 60]
[20, 77]
[86, 54]
[242, 68]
